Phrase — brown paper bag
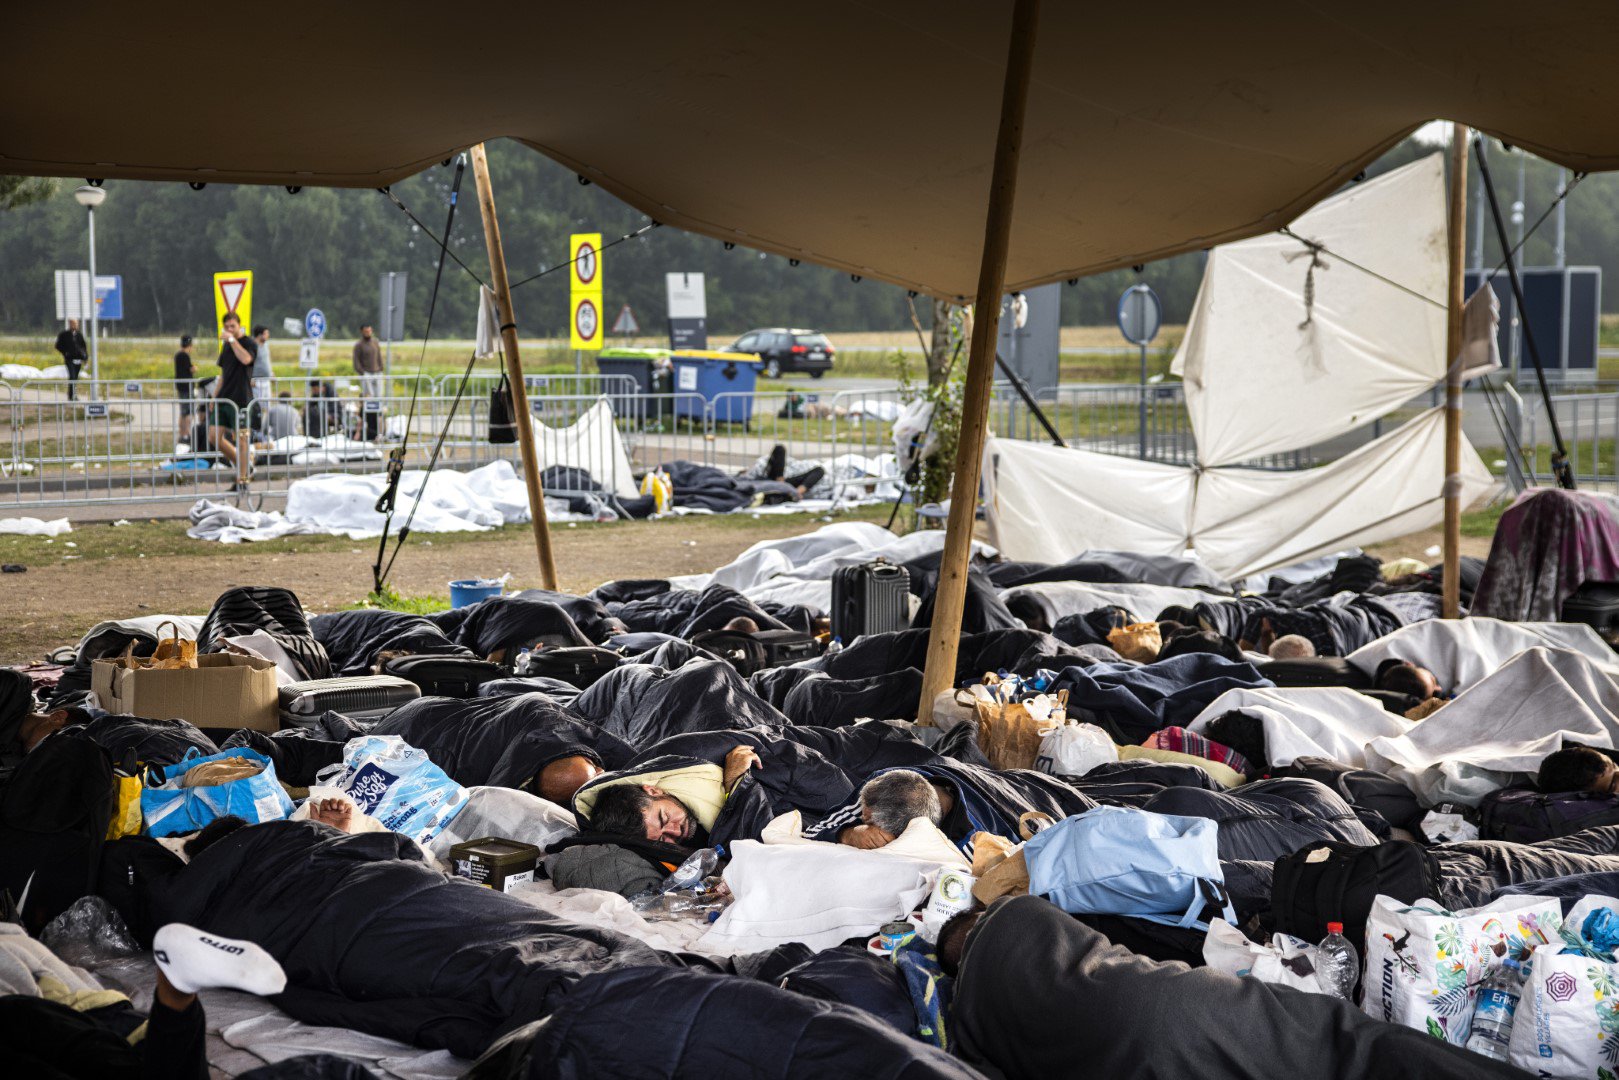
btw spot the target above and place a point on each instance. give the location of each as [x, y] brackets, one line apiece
[171, 653]
[1009, 877]
[1007, 734]
[988, 851]
[1139, 641]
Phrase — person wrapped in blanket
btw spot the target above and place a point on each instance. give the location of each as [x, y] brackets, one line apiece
[804, 478]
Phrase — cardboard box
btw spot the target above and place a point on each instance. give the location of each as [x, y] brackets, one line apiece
[222, 691]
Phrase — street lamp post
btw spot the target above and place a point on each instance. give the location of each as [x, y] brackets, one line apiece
[90, 197]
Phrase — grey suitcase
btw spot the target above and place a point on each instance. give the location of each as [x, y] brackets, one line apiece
[362, 698]
[870, 599]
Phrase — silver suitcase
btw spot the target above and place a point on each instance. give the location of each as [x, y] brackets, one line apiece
[362, 698]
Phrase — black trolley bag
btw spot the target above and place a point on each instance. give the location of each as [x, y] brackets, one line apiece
[762, 649]
[362, 698]
[576, 665]
[445, 676]
[874, 598]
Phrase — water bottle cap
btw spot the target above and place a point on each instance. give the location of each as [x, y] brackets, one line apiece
[1335, 928]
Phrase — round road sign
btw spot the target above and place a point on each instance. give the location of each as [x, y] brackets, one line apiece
[586, 262]
[1140, 314]
[586, 319]
[315, 323]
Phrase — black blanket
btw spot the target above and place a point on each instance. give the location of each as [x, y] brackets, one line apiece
[1041, 995]
[354, 639]
[249, 608]
[814, 697]
[374, 939]
[1132, 701]
[503, 741]
[505, 624]
[1265, 820]
[690, 1026]
[154, 742]
[641, 704]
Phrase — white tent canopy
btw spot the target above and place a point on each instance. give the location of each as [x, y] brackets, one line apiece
[1286, 348]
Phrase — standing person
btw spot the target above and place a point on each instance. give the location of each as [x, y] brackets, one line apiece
[70, 343]
[185, 377]
[263, 374]
[232, 391]
[368, 366]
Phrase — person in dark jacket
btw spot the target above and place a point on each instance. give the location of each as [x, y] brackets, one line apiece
[185, 381]
[1039, 994]
[70, 343]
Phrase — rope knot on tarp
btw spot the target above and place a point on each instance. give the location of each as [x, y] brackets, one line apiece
[1312, 248]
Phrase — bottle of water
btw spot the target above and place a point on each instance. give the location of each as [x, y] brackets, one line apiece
[834, 646]
[698, 865]
[1338, 962]
[1492, 1017]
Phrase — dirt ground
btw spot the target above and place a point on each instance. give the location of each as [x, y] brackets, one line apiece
[105, 572]
[154, 567]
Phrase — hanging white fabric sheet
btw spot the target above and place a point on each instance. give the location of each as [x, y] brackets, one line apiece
[1286, 349]
[1050, 504]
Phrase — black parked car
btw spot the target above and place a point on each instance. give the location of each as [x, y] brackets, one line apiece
[784, 351]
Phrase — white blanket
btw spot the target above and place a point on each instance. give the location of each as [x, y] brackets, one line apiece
[820, 894]
[1460, 652]
[1058, 598]
[1326, 721]
[1503, 726]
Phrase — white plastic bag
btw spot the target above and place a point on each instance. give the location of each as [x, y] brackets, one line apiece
[1424, 963]
[399, 786]
[1567, 1022]
[914, 438]
[1286, 961]
[1075, 749]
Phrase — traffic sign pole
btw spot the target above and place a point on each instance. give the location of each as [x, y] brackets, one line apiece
[1140, 315]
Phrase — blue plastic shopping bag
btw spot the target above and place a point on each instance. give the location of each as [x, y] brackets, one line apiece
[172, 810]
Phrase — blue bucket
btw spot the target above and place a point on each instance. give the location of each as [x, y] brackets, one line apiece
[469, 592]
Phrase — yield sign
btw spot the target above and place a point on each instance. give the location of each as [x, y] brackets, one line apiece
[230, 290]
[626, 324]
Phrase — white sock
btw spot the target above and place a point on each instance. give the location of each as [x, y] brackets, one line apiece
[192, 960]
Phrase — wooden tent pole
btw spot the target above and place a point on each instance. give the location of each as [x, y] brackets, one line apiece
[1452, 598]
[950, 598]
[501, 285]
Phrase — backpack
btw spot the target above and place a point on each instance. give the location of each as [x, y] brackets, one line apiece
[1525, 816]
[1332, 881]
[1117, 860]
[54, 818]
[502, 414]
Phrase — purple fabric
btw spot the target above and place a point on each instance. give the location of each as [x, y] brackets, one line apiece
[1548, 544]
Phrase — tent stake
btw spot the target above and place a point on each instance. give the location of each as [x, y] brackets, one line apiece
[501, 286]
[1452, 598]
[950, 599]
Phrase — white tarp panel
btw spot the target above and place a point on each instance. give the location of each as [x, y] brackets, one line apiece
[1266, 371]
[1248, 520]
[1049, 504]
[591, 443]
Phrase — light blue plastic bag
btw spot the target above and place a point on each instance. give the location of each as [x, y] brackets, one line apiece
[172, 810]
[399, 786]
[1116, 860]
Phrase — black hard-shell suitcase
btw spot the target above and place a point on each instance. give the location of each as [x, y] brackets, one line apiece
[753, 652]
[1596, 603]
[362, 698]
[445, 676]
[1307, 671]
[579, 665]
[870, 599]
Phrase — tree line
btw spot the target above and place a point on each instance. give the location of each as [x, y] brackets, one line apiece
[327, 248]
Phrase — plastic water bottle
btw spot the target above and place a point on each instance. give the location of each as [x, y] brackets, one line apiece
[1338, 962]
[698, 865]
[834, 646]
[1497, 1003]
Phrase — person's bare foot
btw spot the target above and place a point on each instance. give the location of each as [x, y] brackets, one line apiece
[338, 813]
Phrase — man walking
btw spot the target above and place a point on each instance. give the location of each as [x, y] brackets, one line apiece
[70, 343]
[185, 377]
[232, 391]
[368, 366]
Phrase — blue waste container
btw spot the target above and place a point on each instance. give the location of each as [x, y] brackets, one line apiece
[711, 374]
